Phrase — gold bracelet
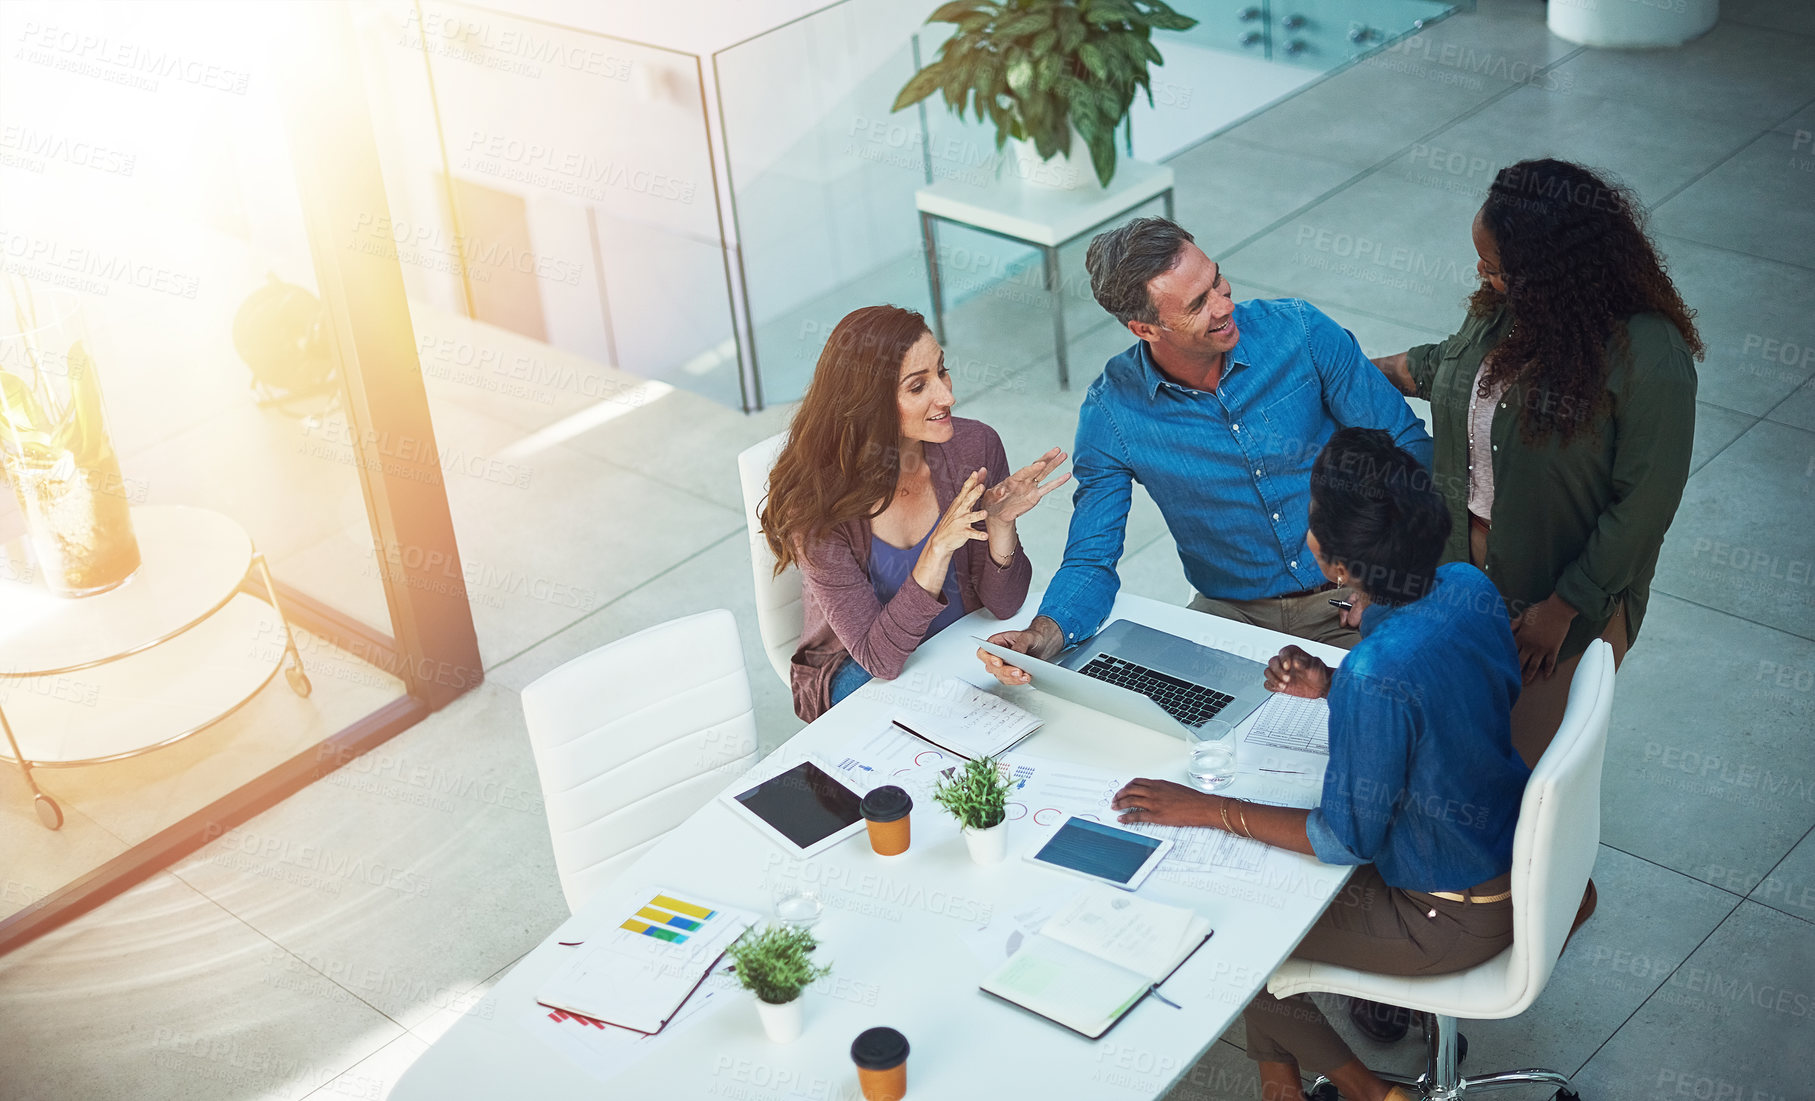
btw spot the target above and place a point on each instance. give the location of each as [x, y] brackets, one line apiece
[1242, 815]
[1227, 828]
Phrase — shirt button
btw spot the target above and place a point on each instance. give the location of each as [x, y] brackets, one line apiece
[1294, 565]
[1496, 447]
[1238, 428]
[1276, 516]
[1257, 472]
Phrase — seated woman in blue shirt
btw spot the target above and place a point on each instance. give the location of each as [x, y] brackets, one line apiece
[1423, 786]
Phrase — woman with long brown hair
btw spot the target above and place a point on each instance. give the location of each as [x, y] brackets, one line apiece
[1564, 414]
[877, 496]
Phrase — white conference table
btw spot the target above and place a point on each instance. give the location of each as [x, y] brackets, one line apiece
[900, 931]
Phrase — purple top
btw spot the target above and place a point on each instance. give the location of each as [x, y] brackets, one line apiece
[889, 569]
[840, 611]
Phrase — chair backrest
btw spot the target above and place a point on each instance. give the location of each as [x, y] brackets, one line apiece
[633, 737]
[1559, 831]
[778, 612]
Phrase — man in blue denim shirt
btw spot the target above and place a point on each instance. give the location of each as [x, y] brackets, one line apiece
[1219, 410]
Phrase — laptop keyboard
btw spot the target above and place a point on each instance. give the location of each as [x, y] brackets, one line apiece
[1189, 703]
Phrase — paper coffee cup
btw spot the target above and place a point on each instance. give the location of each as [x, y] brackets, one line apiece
[881, 1058]
[885, 811]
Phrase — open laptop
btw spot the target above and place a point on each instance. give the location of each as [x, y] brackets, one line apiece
[1149, 678]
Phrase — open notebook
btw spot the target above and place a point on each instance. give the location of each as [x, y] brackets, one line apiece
[961, 718]
[1101, 953]
[638, 973]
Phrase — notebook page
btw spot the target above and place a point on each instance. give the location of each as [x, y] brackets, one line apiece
[966, 719]
[1148, 938]
[1074, 988]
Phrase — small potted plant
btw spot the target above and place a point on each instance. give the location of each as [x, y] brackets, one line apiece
[773, 965]
[977, 796]
[1058, 75]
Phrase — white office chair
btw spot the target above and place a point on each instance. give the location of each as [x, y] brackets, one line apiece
[1554, 848]
[778, 613]
[633, 737]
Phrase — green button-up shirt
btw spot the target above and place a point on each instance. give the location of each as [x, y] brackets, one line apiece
[1583, 520]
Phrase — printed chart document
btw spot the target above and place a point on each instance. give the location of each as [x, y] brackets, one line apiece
[1292, 722]
[1096, 957]
[966, 720]
[638, 974]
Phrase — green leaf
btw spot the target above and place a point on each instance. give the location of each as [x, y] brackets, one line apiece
[1048, 71]
[924, 83]
[1043, 42]
[952, 12]
[1102, 154]
[1093, 60]
[1163, 17]
[1026, 23]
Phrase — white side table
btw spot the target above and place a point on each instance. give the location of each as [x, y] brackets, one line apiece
[1045, 218]
[177, 647]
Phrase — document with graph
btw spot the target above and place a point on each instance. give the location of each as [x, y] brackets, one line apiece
[639, 972]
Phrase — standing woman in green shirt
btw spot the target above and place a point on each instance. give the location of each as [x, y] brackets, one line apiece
[1563, 412]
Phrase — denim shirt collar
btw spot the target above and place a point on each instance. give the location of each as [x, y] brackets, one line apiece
[1374, 615]
[1152, 378]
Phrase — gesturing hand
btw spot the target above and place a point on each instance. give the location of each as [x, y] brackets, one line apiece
[1296, 673]
[1164, 803]
[953, 530]
[1011, 498]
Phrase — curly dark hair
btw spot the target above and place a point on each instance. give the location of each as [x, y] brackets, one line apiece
[1577, 263]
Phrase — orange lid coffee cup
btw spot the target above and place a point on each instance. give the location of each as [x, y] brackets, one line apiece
[885, 811]
[881, 1058]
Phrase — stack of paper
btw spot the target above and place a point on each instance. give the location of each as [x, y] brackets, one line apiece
[1096, 957]
[963, 719]
[638, 974]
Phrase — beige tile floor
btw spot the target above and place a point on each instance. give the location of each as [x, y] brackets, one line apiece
[252, 973]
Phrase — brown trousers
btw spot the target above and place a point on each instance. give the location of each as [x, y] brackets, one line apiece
[1309, 617]
[1376, 928]
[1539, 710]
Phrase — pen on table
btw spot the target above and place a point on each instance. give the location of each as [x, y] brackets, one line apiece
[1343, 604]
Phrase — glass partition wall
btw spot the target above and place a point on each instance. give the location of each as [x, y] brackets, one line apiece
[695, 192]
[228, 565]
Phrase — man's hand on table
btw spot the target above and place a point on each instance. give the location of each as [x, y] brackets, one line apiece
[1293, 672]
[1042, 639]
[1164, 803]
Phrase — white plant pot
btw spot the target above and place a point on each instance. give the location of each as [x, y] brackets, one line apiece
[1068, 171]
[781, 1023]
[987, 846]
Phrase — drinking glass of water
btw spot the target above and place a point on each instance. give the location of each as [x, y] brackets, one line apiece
[1210, 749]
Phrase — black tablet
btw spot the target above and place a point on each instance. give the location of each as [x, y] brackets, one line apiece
[804, 807]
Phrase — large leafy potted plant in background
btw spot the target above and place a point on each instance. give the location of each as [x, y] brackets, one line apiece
[1057, 74]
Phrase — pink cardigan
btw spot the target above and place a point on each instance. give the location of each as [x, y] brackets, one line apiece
[842, 614]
